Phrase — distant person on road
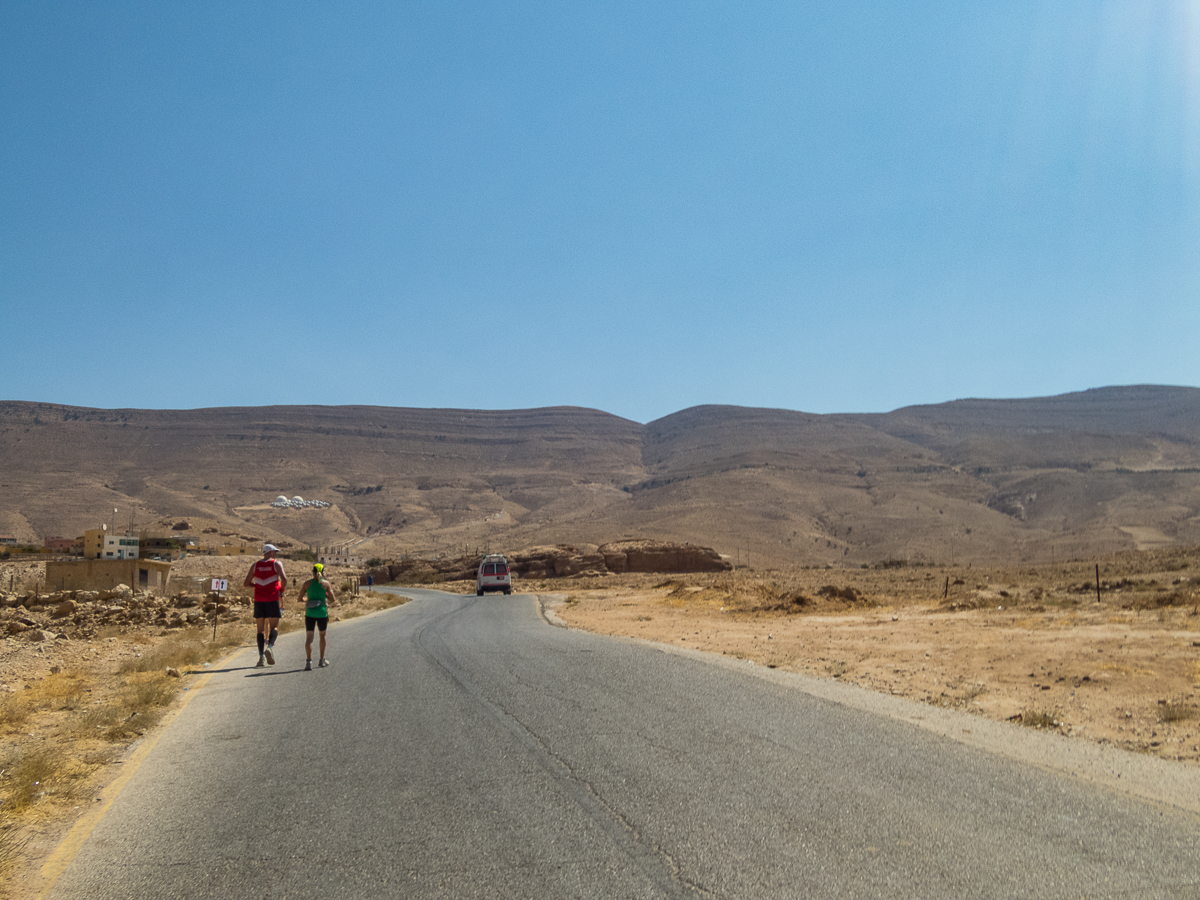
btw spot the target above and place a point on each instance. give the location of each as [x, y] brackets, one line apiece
[269, 581]
[315, 593]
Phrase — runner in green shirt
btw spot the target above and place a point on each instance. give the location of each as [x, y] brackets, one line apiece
[315, 593]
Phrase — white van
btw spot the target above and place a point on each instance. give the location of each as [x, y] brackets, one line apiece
[493, 575]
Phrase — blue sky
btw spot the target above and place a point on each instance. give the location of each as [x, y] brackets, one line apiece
[637, 207]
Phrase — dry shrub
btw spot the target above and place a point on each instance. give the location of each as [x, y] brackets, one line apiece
[749, 596]
[53, 770]
[743, 596]
[845, 594]
[1163, 599]
[100, 721]
[14, 710]
[151, 692]
[12, 847]
[961, 696]
[1176, 712]
[62, 690]
[1036, 718]
[131, 711]
[34, 774]
[187, 648]
[790, 602]
[972, 601]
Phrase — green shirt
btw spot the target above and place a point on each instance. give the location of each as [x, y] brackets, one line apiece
[314, 607]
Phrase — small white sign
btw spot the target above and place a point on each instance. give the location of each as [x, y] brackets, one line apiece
[220, 584]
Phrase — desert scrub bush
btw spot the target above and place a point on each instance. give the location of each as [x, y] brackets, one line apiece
[138, 706]
[101, 721]
[12, 847]
[187, 648]
[14, 711]
[59, 691]
[970, 692]
[1164, 598]
[846, 594]
[150, 693]
[40, 773]
[1176, 711]
[1036, 718]
[961, 696]
[786, 601]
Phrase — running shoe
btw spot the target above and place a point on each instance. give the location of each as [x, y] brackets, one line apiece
[323, 663]
[262, 661]
[308, 665]
[270, 655]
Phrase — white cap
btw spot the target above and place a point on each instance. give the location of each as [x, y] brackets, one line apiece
[269, 548]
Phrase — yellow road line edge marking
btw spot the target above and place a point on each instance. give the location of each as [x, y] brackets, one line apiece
[62, 855]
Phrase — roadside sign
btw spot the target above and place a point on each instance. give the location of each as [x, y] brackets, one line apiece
[218, 585]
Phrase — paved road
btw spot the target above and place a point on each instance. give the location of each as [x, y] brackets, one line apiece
[462, 747]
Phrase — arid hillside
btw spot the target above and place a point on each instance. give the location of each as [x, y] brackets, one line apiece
[1035, 480]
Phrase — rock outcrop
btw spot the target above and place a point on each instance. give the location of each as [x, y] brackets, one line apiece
[66, 615]
[563, 561]
[658, 556]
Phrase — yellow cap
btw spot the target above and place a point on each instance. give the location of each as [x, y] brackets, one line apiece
[318, 568]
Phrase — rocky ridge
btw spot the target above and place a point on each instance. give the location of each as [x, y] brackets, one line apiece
[565, 561]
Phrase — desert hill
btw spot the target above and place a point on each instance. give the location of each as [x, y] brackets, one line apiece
[1037, 479]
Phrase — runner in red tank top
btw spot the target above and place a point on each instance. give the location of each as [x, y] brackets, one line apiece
[268, 580]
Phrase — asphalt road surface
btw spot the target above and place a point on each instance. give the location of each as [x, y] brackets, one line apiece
[464, 747]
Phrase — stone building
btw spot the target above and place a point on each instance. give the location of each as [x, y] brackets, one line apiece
[102, 574]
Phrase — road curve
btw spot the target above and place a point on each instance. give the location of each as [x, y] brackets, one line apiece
[462, 747]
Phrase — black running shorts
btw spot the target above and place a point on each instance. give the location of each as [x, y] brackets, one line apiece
[311, 622]
[268, 610]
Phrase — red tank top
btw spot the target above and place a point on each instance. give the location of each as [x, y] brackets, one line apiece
[267, 586]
